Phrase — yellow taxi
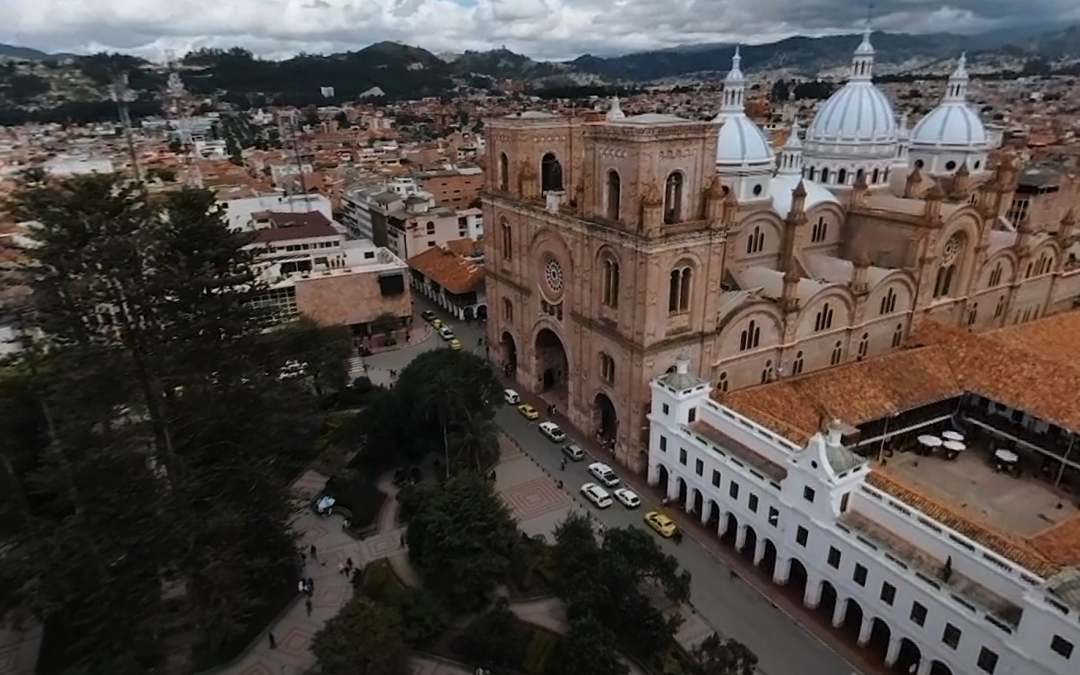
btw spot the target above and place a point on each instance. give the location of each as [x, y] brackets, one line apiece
[663, 525]
[454, 344]
[529, 412]
[436, 323]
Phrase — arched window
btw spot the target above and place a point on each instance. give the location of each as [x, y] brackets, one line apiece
[837, 353]
[610, 283]
[679, 288]
[1000, 308]
[673, 197]
[824, 175]
[1030, 269]
[823, 320]
[614, 194]
[550, 173]
[797, 365]
[508, 309]
[973, 314]
[946, 273]
[888, 302]
[841, 177]
[607, 368]
[812, 173]
[819, 230]
[864, 346]
[430, 227]
[767, 372]
[859, 174]
[755, 241]
[995, 275]
[722, 382]
[750, 337]
[874, 177]
[504, 172]
[1046, 262]
[898, 335]
[507, 241]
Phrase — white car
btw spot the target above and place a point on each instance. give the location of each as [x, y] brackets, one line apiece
[597, 495]
[552, 431]
[604, 474]
[511, 397]
[446, 333]
[628, 498]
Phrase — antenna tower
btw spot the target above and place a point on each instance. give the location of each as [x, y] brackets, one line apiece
[289, 120]
[178, 111]
[122, 95]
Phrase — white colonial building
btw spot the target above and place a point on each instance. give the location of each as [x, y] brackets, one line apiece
[930, 594]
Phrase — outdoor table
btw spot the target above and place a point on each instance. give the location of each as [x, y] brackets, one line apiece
[954, 446]
[1006, 456]
[952, 435]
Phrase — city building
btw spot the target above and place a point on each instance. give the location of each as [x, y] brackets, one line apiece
[620, 241]
[452, 276]
[239, 210]
[958, 559]
[454, 188]
[310, 269]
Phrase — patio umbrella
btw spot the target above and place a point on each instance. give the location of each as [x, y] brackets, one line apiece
[952, 435]
[930, 441]
[954, 446]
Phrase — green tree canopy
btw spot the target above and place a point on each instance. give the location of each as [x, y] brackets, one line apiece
[717, 656]
[365, 638]
[589, 648]
[461, 537]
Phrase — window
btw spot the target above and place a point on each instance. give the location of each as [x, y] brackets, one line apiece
[1046, 261]
[1061, 646]
[860, 575]
[679, 288]
[888, 593]
[801, 536]
[819, 230]
[755, 240]
[918, 614]
[607, 368]
[752, 502]
[610, 283]
[691, 416]
[797, 366]
[823, 320]
[733, 490]
[874, 179]
[699, 467]
[673, 196]
[682, 456]
[995, 275]
[841, 177]
[614, 194]
[834, 558]
[864, 346]
[1027, 272]
[504, 172]
[751, 336]
[987, 661]
[898, 335]
[722, 382]
[665, 408]
[663, 444]
[973, 313]
[716, 478]
[951, 635]
[507, 309]
[507, 241]
[888, 302]
[837, 353]
[1018, 210]
[430, 227]
[808, 494]
[774, 516]
[944, 281]
[844, 499]
[767, 372]
[824, 175]
[999, 309]
[550, 173]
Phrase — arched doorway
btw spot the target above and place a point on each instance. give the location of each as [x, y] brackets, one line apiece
[768, 563]
[550, 173]
[607, 420]
[852, 620]
[731, 531]
[508, 353]
[797, 580]
[714, 515]
[827, 604]
[481, 312]
[551, 361]
[683, 489]
[880, 635]
[939, 668]
[662, 479]
[469, 314]
[750, 545]
[909, 658]
[698, 503]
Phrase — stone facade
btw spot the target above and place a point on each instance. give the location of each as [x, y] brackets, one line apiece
[614, 248]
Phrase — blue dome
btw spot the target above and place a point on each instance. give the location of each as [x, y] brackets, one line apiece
[857, 113]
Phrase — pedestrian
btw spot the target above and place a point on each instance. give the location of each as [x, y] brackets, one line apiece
[348, 564]
[307, 606]
[341, 568]
[314, 552]
[310, 586]
[273, 642]
[402, 540]
[302, 586]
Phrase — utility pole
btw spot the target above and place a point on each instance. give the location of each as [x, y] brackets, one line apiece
[178, 112]
[122, 96]
[289, 120]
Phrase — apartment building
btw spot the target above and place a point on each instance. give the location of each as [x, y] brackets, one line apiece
[452, 276]
[454, 188]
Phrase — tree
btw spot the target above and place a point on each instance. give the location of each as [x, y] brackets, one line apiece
[175, 147]
[342, 120]
[589, 648]
[461, 538]
[424, 617]
[717, 656]
[365, 638]
[324, 349]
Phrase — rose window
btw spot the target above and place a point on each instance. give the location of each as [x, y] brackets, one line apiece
[948, 254]
[553, 275]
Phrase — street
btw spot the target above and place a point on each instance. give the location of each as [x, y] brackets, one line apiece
[731, 605]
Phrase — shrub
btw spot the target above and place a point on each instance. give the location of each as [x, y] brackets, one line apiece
[382, 584]
[538, 651]
[499, 639]
[532, 567]
[424, 615]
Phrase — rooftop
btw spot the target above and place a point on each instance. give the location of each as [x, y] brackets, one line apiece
[458, 267]
[304, 225]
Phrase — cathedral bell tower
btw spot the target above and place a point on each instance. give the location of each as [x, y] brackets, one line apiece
[793, 226]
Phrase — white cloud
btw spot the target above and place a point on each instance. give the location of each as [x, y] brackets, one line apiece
[540, 28]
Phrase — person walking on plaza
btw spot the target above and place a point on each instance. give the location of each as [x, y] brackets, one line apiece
[273, 642]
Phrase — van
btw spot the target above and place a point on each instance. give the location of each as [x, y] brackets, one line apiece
[511, 397]
[604, 474]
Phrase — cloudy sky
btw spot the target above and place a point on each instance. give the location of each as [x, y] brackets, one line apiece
[553, 29]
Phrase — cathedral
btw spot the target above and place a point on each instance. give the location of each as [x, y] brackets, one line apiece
[617, 244]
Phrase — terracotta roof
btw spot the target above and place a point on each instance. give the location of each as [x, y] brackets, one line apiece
[1018, 551]
[449, 267]
[301, 225]
[1056, 337]
[1060, 543]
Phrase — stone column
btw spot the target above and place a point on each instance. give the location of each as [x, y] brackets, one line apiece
[654, 475]
[706, 511]
[722, 526]
[924, 666]
[759, 551]
[894, 651]
[812, 596]
[781, 571]
[839, 613]
[865, 629]
[688, 507]
[740, 537]
[672, 488]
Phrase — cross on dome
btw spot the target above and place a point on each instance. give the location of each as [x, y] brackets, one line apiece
[956, 92]
[862, 63]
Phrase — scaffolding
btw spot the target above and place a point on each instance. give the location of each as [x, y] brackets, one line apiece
[178, 111]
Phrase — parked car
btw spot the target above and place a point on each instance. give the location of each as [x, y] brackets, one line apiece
[529, 412]
[427, 315]
[627, 498]
[511, 397]
[574, 452]
[663, 525]
[552, 431]
[604, 474]
[597, 495]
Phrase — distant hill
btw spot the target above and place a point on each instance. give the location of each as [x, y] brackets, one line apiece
[22, 53]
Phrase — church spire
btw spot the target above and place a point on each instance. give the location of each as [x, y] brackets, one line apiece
[791, 154]
[956, 92]
[862, 63]
[734, 101]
